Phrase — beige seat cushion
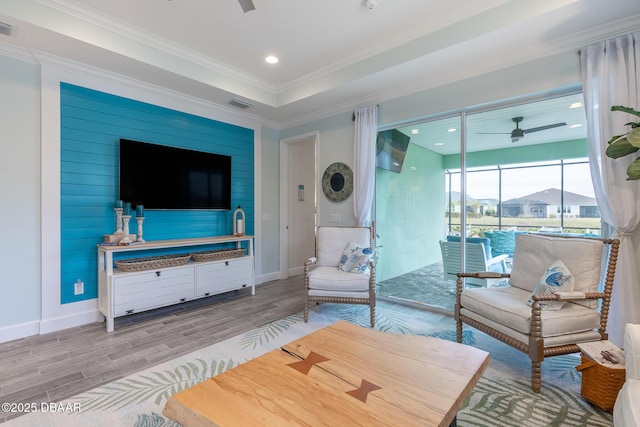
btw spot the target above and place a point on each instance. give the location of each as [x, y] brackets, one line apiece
[535, 253]
[331, 279]
[508, 306]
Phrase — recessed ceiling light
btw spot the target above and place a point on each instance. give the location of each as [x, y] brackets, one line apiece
[576, 105]
[439, 143]
[452, 130]
[415, 131]
[271, 59]
[577, 125]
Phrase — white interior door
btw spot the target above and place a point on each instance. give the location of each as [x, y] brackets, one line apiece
[298, 184]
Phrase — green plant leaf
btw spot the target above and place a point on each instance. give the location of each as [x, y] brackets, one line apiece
[633, 171]
[615, 138]
[626, 110]
[620, 148]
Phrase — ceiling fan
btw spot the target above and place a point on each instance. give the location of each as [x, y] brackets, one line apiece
[517, 134]
[246, 5]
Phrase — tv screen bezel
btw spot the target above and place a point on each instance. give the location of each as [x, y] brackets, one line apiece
[163, 166]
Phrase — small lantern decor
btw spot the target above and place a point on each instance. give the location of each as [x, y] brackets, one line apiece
[238, 222]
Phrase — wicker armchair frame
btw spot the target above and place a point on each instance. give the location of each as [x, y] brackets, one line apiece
[370, 301]
[535, 348]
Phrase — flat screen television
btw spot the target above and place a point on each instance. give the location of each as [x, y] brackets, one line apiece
[391, 148]
[162, 177]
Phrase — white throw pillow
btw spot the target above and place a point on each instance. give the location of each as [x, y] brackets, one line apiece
[355, 259]
[557, 278]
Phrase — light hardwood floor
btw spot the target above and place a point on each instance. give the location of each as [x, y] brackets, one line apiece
[56, 366]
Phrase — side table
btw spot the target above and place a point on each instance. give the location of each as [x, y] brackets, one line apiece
[603, 373]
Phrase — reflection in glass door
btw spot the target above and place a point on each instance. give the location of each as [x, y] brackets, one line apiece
[410, 206]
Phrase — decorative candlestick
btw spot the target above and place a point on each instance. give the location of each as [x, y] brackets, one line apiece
[125, 222]
[118, 231]
[139, 220]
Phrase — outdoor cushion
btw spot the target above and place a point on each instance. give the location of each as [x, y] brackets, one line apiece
[485, 241]
[535, 252]
[508, 306]
[331, 279]
[502, 241]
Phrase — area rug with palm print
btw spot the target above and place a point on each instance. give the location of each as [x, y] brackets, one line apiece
[503, 397]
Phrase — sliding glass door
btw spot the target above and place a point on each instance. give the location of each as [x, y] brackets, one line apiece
[526, 171]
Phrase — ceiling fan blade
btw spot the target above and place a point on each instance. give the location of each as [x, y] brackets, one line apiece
[555, 125]
[247, 5]
[494, 133]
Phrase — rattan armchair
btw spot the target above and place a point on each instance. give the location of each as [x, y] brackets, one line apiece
[503, 312]
[324, 282]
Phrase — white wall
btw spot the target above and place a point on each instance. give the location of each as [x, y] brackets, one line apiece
[20, 196]
[270, 215]
[335, 144]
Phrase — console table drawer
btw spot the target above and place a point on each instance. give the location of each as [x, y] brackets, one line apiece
[150, 289]
[224, 276]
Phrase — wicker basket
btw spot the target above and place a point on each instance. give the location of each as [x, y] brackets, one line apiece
[153, 262]
[216, 254]
[600, 384]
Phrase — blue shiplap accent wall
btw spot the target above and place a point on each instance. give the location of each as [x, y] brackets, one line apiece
[92, 124]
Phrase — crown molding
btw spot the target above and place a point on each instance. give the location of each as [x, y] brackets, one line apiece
[215, 111]
[123, 29]
[17, 52]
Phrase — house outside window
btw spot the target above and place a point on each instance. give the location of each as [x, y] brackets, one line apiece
[573, 211]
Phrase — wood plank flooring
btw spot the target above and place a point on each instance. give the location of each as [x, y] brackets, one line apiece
[53, 367]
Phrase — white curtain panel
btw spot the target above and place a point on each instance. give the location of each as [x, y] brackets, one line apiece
[610, 76]
[364, 169]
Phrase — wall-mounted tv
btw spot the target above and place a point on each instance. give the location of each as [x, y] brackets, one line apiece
[162, 177]
[391, 148]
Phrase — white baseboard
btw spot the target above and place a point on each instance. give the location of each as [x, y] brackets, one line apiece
[296, 271]
[269, 277]
[69, 321]
[38, 327]
[23, 330]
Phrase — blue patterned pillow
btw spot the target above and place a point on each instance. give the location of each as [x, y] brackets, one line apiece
[355, 259]
[557, 278]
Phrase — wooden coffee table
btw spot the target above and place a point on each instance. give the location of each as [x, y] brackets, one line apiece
[337, 376]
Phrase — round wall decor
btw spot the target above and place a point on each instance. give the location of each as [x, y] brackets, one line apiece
[337, 182]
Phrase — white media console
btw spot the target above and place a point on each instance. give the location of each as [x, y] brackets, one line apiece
[121, 293]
